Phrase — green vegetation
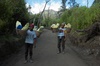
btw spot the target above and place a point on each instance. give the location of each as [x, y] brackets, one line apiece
[81, 17]
[10, 12]
[13, 10]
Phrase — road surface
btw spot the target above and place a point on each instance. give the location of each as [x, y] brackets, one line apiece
[45, 54]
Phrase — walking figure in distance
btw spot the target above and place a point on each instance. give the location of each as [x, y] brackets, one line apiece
[61, 37]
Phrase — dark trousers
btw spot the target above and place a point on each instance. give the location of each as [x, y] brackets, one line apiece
[28, 49]
[61, 42]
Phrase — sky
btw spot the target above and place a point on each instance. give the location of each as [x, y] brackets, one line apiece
[38, 5]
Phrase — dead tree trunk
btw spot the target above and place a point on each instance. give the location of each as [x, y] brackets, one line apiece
[40, 17]
[91, 32]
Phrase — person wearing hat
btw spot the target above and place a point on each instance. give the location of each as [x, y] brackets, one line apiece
[30, 41]
[61, 38]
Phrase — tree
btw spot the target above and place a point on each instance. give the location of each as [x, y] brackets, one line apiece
[10, 12]
[20, 12]
[73, 3]
[40, 17]
[96, 1]
[87, 3]
[62, 8]
[64, 5]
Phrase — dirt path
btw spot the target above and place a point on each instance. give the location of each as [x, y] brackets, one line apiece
[46, 54]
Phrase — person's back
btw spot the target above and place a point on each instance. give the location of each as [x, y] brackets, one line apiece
[30, 41]
[30, 36]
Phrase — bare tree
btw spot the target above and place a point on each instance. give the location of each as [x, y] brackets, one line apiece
[40, 17]
[64, 4]
[87, 3]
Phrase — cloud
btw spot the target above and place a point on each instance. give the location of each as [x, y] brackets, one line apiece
[55, 6]
[27, 5]
[38, 7]
[84, 2]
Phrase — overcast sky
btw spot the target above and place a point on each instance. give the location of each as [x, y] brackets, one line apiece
[37, 5]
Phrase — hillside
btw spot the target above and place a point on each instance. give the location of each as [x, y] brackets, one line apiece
[50, 14]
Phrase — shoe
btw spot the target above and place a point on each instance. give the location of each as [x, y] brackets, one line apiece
[58, 52]
[31, 61]
[25, 61]
[63, 52]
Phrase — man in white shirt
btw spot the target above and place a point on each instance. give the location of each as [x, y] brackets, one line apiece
[30, 41]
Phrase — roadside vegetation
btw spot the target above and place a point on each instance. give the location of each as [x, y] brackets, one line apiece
[82, 19]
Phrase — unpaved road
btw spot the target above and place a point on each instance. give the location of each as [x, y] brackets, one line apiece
[45, 54]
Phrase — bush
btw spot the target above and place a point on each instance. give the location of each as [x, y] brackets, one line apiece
[81, 17]
[9, 45]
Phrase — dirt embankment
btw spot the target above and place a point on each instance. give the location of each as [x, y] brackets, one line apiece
[87, 43]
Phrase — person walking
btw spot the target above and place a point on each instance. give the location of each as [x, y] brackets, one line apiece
[61, 38]
[30, 41]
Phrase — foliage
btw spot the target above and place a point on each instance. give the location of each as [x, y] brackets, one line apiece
[96, 1]
[10, 12]
[73, 3]
[81, 17]
[13, 10]
[63, 4]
